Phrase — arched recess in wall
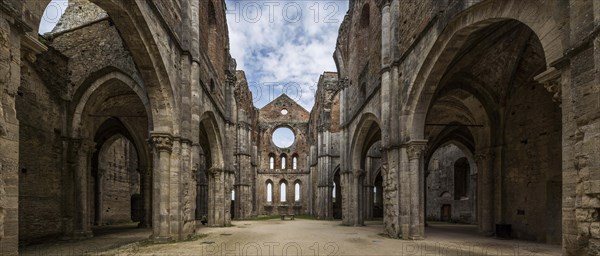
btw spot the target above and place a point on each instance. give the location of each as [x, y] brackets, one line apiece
[272, 161]
[116, 179]
[106, 104]
[367, 134]
[444, 201]
[297, 191]
[283, 184]
[378, 195]
[211, 157]
[269, 191]
[210, 128]
[283, 159]
[294, 161]
[336, 194]
[457, 74]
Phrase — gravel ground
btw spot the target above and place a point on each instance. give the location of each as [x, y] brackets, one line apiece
[313, 237]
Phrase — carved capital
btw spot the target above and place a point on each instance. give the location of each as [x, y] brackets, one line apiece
[162, 142]
[416, 148]
[358, 173]
[551, 81]
[31, 47]
[214, 170]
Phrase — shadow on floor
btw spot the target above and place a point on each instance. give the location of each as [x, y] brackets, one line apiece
[105, 238]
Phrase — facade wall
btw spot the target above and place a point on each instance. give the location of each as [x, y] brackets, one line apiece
[441, 187]
[40, 147]
[270, 118]
[120, 181]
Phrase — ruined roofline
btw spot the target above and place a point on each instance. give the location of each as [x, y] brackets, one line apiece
[284, 96]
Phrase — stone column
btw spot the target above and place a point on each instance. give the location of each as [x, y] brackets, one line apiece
[347, 199]
[99, 195]
[219, 189]
[163, 146]
[188, 190]
[404, 196]
[357, 195]
[415, 158]
[146, 192]
[485, 192]
[82, 155]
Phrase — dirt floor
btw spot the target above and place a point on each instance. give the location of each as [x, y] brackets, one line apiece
[306, 237]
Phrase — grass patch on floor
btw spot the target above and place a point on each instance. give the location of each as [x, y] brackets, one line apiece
[305, 217]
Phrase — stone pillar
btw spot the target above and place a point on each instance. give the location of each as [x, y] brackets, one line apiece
[497, 187]
[163, 146]
[243, 184]
[174, 189]
[146, 192]
[99, 195]
[485, 192]
[404, 196]
[188, 191]
[391, 205]
[346, 180]
[82, 155]
[358, 197]
[415, 158]
[219, 189]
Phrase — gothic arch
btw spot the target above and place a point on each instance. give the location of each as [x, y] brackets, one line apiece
[533, 14]
[150, 58]
[210, 127]
[367, 132]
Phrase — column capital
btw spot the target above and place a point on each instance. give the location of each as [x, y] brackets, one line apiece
[358, 172]
[551, 81]
[162, 141]
[416, 148]
[215, 170]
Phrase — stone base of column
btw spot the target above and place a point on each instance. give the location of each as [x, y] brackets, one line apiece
[416, 237]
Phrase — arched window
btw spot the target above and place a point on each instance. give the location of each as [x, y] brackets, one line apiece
[374, 194]
[283, 162]
[271, 162]
[282, 191]
[295, 163]
[297, 191]
[232, 195]
[269, 192]
[461, 178]
[333, 192]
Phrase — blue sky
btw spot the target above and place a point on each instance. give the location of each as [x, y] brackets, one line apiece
[283, 46]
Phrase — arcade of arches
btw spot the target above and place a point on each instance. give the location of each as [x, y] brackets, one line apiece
[481, 112]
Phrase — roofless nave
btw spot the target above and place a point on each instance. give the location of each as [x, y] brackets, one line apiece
[483, 112]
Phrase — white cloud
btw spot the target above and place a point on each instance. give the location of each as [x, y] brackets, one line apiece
[52, 14]
[284, 46]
